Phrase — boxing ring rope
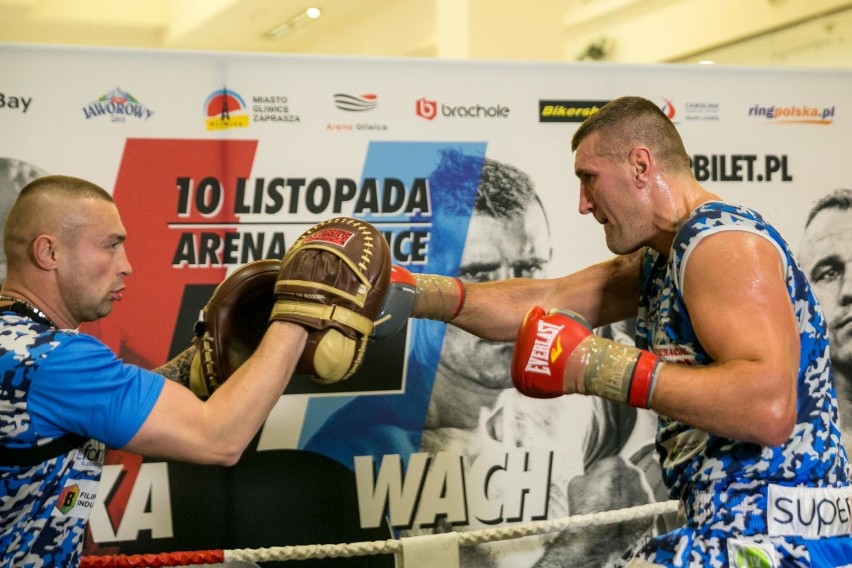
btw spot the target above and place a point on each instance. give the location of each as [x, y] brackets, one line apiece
[304, 552]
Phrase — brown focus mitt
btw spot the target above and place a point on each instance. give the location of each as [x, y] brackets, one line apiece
[233, 322]
[333, 281]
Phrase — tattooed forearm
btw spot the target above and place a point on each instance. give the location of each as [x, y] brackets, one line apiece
[178, 368]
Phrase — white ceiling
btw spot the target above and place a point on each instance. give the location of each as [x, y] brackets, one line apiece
[746, 32]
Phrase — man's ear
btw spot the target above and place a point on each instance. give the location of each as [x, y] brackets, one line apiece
[640, 161]
[44, 251]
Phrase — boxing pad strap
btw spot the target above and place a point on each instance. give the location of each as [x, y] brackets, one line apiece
[316, 313]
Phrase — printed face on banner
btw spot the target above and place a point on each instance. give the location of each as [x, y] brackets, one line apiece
[496, 249]
[14, 175]
[826, 256]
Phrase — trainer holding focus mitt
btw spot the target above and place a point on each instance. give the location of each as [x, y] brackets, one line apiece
[732, 349]
[331, 281]
[64, 395]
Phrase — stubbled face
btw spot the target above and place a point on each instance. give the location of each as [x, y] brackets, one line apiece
[495, 249]
[826, 256]
[92, 266]
[608, 192]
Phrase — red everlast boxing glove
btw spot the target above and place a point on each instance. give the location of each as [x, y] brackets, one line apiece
[556, 353]
[541, 352]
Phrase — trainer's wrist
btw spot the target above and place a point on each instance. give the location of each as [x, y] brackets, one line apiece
[438, 297]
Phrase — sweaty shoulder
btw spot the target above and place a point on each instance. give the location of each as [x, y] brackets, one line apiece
[714, 218]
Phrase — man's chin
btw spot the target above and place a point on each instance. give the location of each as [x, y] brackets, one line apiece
[104, 310]
[614, 245]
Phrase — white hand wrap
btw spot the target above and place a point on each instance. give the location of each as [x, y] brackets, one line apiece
[438, 297]
[618, 372]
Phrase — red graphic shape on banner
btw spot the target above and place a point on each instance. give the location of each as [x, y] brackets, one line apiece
[221, 102]
[157, 215]
[117, 503]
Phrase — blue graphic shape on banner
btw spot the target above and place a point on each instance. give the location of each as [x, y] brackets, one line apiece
[383, 424]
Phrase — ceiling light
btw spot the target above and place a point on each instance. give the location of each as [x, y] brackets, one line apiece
[289, 26]
[706, 62]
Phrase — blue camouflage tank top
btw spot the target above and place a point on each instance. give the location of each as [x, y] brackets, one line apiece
[695, 460]
[44, 508]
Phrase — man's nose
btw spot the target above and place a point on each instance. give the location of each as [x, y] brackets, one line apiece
[587, 205]
[126, 269]
[846, 285]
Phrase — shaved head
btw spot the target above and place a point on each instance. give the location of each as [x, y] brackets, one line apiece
[627, 122]
[48, 205]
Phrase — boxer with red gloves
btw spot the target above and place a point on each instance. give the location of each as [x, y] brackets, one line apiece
[556, 352]
[748, 426]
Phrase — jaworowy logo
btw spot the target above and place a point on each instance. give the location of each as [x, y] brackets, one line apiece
[118, 105]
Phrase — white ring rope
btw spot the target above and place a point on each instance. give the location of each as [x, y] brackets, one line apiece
[467, 538]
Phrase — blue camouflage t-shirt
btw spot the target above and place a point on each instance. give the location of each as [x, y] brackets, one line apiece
[694, 460]
[54, 382]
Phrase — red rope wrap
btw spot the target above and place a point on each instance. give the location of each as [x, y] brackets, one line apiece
[154, 560]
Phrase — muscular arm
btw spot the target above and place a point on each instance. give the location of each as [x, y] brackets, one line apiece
[182, 427]
[735, 292]
[603, 293]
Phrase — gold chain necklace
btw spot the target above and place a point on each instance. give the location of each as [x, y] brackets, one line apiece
[28, 307]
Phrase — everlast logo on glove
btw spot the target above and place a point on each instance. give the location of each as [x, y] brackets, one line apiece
[541, 355]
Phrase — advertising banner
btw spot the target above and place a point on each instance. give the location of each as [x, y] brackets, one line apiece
[216, 160]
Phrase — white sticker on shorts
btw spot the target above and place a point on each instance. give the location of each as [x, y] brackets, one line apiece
[76, 499]
[811, 512]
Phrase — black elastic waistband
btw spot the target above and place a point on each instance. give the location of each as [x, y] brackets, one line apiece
[37, 454]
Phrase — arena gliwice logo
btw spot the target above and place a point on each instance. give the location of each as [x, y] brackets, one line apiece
[225, 109]
[356, 103]
[430, 109]
[118, 105]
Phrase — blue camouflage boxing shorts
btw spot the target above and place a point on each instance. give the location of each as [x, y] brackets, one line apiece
[758, 525]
